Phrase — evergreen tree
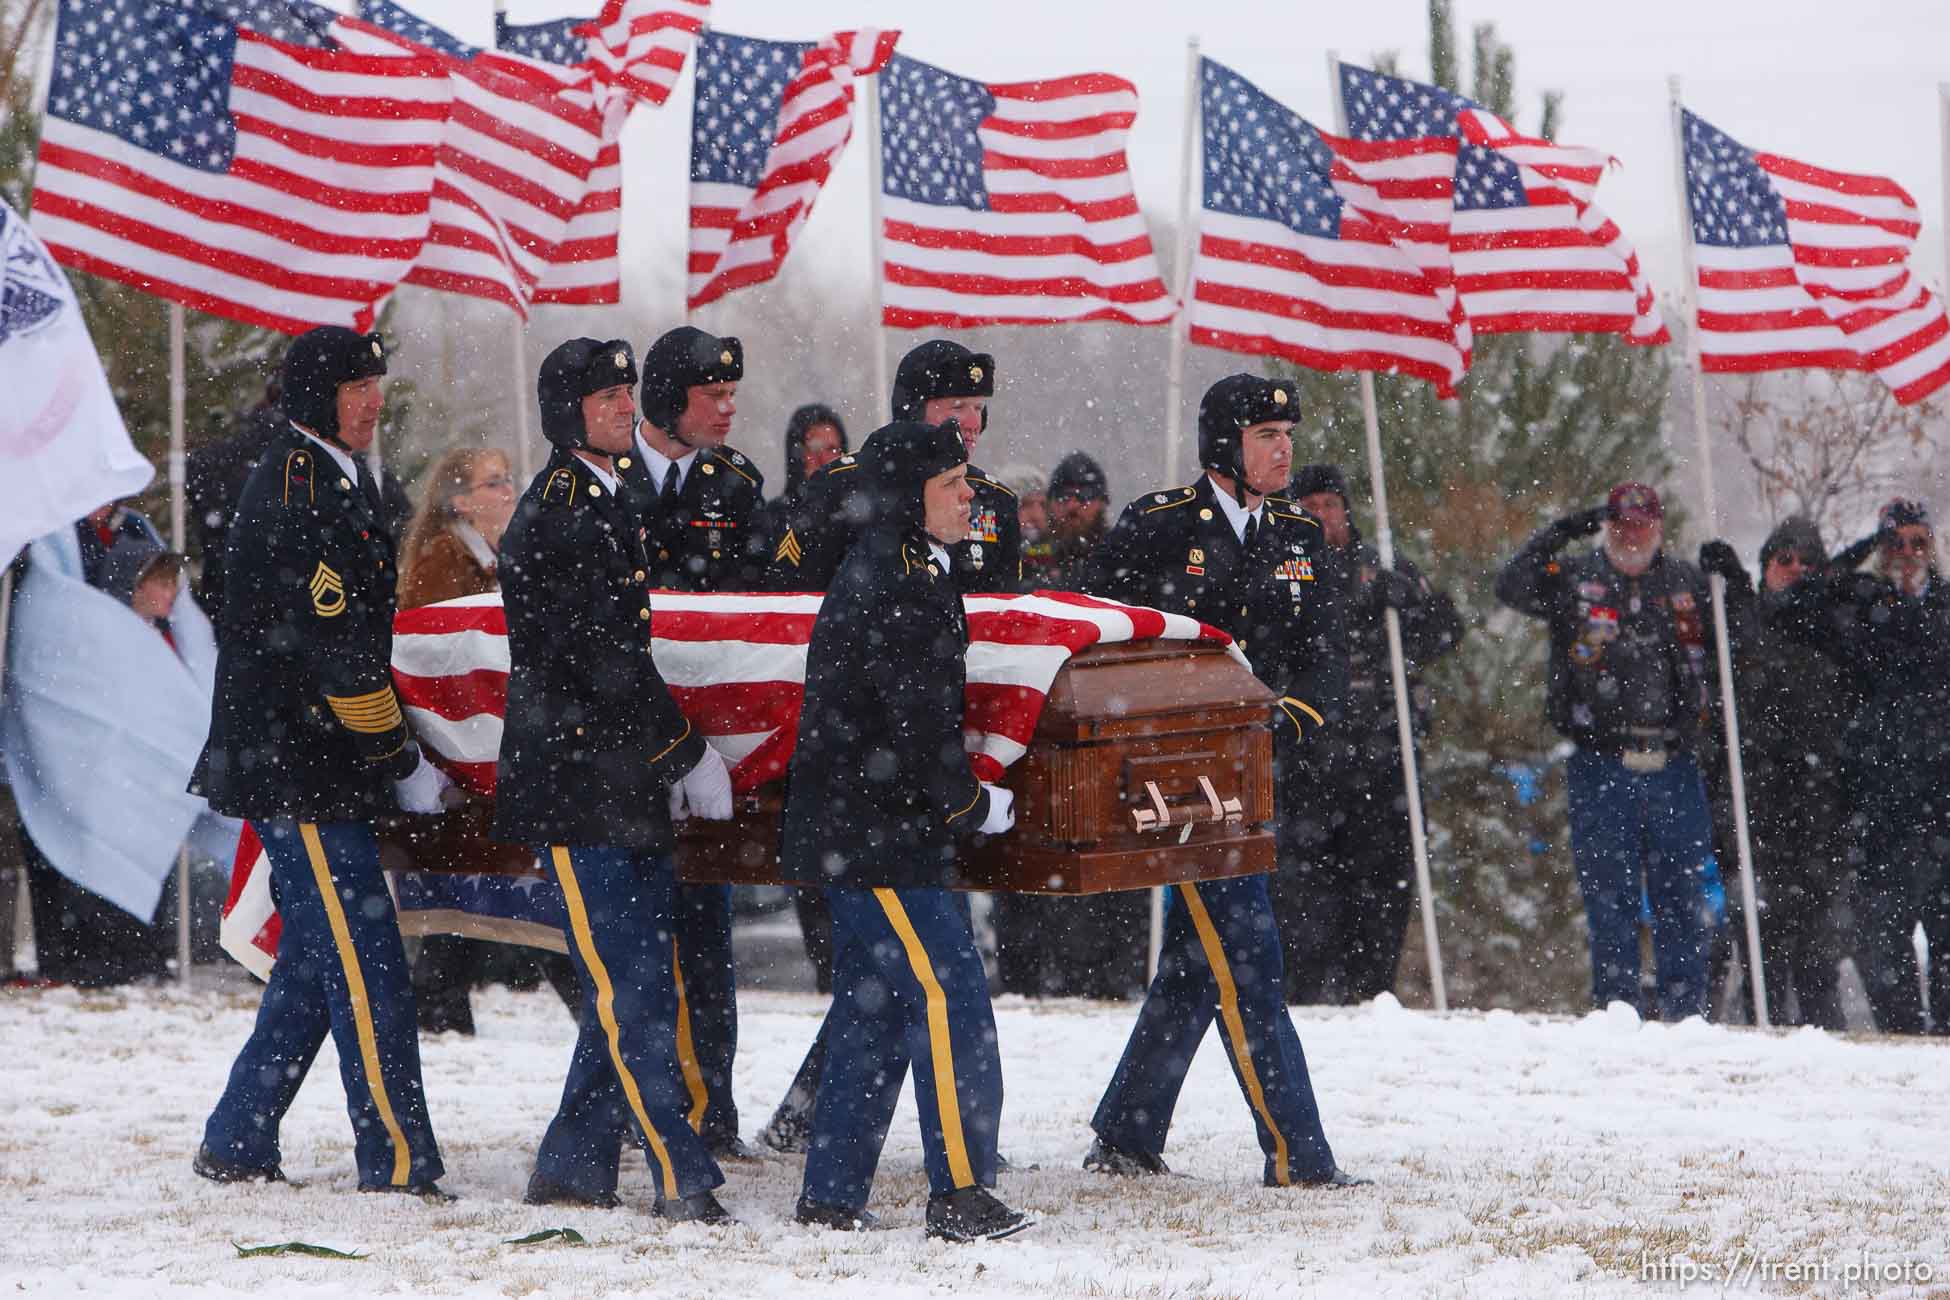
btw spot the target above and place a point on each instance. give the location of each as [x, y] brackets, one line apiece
[1541, 425]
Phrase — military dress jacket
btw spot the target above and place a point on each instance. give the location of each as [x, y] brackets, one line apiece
[714, 540]
[1175, 551]
[592, 740]
[1431, 628]
[304, 722]
[880, 786]
[832, 510]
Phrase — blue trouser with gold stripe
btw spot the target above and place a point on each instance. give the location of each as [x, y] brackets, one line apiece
[625, 1067]
[341, 970]
[708, 1030]
[1221, 954]
[908, 987]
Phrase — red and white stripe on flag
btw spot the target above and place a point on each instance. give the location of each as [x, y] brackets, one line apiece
[1803, 267]
[737, 667]
[583, 269]
[1042, 224]
[640, 45]
[740, 234]
[1329, 253]
[1532, 251]
[514, 167]
[315, 216]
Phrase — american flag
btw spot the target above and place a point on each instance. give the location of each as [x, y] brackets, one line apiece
[226, 157]
[514, 165]
[1802, 266]
[1011, 203]
[1532, 251]
[1325, 252]
[639, 45]
[583, 269]
[769, 120]
[737, 667]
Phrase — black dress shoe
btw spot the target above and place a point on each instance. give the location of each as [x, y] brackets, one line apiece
[700, 1208]
[429, 1191]
[1104, 1158]
[546, 1191]
[817, 1214]
[208, 1164]
[729, 1147]
[1339, 1177]
[973, 1214]
[790, 1132]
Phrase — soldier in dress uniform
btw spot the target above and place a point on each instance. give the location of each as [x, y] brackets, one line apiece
[595, 761]
[703, 506]
[880, 789]
[936, 381]
[307, 741]
[1226, 551]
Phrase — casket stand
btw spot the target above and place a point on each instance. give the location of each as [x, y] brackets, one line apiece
[1152, 764]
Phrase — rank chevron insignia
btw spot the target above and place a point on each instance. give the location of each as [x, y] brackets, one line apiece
[327, 592]
[789, 549]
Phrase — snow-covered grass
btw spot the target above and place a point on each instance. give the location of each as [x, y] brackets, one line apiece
[1512, 1155]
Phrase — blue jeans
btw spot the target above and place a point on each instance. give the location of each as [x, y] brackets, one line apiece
[341, 970]
[1653, 827]
[908, 989]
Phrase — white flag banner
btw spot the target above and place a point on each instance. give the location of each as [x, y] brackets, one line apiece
[63, 447]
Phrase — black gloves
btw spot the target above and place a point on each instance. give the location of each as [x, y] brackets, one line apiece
[1719, 557]
[1396, 589]
[1582, 524]
[1860, 551]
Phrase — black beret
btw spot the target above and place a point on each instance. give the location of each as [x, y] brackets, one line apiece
[572, 372]
[1233, 405]
[316, 363]
[681, 360]
[900, 458]
[940, 368]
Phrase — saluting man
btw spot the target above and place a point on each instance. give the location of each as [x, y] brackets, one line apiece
[703, 505]
[936, 381]
[307, 741]
[594, 757]
[880, 790]
[1227, 551]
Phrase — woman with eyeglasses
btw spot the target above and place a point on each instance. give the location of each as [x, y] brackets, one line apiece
[1890, 627]
[451, 551]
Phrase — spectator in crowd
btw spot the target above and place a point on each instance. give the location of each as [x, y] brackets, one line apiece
[451, 551]
[1790, 695]
[1891, 628]
[1079, 500]
[81, 938]
[815, 437]
[1628, 687]
[213, 480]
[1344, 911]
[1032, 513]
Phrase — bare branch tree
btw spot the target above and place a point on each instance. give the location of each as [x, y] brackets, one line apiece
[1829, 445]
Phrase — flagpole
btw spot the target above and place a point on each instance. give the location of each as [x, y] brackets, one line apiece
[524, 430]
[1736, 768]
[882, 389]
[1181, 270]
[178, 400]
[1392, 620]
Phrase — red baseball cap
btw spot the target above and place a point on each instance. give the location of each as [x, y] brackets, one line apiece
[1635, 503]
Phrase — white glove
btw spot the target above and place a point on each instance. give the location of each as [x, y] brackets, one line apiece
[420, 792]
[705, 789]
[1002, 810]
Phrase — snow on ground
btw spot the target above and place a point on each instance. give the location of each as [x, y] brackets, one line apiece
[1512, 1155]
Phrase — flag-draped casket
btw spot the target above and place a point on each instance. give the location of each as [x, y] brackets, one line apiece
[1136, 742]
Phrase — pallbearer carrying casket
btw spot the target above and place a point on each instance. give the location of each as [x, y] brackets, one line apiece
[879, 792]
[1226, 551]
[593, 753]
[308, 742]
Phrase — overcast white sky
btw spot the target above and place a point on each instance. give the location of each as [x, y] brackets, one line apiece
[1851, 86]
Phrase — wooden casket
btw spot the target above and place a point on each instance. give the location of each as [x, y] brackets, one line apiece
[1152, 764]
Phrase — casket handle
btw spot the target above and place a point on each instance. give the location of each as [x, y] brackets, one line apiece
[1159, 814]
